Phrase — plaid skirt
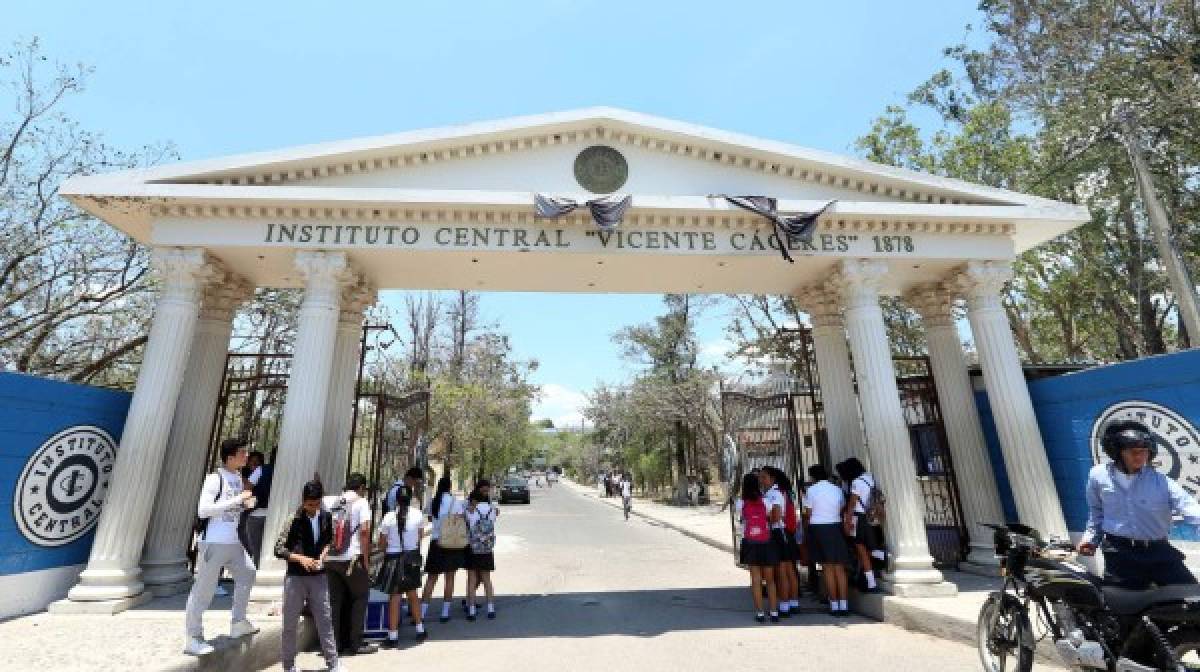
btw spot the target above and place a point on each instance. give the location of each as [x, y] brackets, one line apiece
[399, 573]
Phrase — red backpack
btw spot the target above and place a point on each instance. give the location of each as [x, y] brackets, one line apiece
[754, 516]
[789, 516]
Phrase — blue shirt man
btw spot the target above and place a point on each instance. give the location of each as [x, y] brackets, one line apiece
[1130, 510]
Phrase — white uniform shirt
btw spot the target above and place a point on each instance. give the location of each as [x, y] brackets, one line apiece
[771, 499]
[221, 504]
[861, 486]
[407, 539]
[626, 489]
[360, 515]
[826, 501]
[450, 505]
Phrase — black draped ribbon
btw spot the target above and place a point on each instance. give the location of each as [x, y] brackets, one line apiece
[607, 212]
[799, 226]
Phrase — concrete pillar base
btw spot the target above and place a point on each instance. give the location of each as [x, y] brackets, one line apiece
[165, 573]
[990, 571]
[941, 589]
[169, 589]
[70, 606]
[984, 556]
[101, 585]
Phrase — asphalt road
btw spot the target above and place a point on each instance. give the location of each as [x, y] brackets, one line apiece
[581, 589]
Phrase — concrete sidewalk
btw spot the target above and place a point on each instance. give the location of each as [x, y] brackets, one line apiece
[952, 618]
[148, 637]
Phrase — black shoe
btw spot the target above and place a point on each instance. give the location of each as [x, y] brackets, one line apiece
[844, 613]
[422, 636]
[471, 617]
[365, 648]
[491, 615]
[464, 606]
[761, 618]
[443, 619]
[774, 618]
[389, 643]
[785, 614]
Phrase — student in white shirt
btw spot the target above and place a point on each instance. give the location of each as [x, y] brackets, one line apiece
[769, 480]
[859, 483]
[442, 561]
[400, 536]
[222, 501]
[626, 494]
[349, 572]
[481, 561]
[825, 502]
[756, 550]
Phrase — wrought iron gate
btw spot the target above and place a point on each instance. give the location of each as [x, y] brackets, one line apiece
[390, 424]
[944, 521]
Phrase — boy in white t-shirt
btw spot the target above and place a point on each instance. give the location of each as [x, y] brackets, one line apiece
[220, 507]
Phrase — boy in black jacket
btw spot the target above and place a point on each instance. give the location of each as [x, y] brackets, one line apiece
[303, 542]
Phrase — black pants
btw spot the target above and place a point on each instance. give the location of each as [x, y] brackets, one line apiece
[1138, 567]
[349, 591]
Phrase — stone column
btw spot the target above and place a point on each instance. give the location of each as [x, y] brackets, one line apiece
[887, 437]
[325, 273]
[972, 467]
[339, 412]
[843, 425]
[112, 581]
[1020, 439]
[164, 558]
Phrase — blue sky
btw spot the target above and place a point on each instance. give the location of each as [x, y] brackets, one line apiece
[223, 78]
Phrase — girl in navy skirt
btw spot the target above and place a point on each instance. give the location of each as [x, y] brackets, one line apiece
[481, 561]
[441, 561]
[757, 550]
[400, 539]
[825, 503]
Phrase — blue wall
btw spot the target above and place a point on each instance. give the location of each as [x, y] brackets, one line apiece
[1068, 406]
[31, 411]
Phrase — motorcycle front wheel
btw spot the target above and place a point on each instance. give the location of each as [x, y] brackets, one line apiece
[1185, 644]
[1004, 636]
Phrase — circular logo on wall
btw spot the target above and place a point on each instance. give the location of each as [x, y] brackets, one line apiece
[601, 169]
[62, 488]
[1177, 440]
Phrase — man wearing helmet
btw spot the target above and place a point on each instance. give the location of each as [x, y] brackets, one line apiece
[1130, 509]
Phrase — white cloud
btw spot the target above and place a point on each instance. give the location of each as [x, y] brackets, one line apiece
[563, 405]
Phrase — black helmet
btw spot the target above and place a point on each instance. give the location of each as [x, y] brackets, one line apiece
[1123, 434]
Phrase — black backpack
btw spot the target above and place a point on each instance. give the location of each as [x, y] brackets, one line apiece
[201, 524]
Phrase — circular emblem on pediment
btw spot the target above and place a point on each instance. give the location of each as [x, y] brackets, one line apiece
[601, 169]
[1178, 440]
[61, 491]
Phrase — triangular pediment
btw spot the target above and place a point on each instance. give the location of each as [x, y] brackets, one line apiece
[538, 153]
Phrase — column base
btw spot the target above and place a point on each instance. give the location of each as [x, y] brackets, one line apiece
[100, 585]
[165, 572]
[982, 561]
[169, 589]
[268, 586]
[914, 576]
[110, 607]
[939, 589]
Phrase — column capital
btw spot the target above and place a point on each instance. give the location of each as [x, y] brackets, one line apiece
[223, 295]
[983, 279]
[183, 271]
[356, 298]
[857, 281]
[325, 274]
[822, 304]
[935, 303]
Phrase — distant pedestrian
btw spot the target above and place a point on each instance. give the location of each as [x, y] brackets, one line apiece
[303, 542]
[481, 560]
[260, 478]
[626, 494]
[348, 564]
[442, 562]
[222, 501]
[860, 485]
[400, 536]
[825, 503]
[756, 550]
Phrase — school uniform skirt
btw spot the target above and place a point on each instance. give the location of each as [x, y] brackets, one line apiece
[399, 573]
[828, 544]
[481, 562]
[442, 560]
[786, 543]
[759, 553]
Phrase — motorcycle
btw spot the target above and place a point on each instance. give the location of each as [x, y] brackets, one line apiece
[1093, 626]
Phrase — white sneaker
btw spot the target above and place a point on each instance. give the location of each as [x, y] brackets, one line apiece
[243, 628]
[198, 647]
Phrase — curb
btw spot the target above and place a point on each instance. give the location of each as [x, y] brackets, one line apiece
[719, 545]
[246, 654]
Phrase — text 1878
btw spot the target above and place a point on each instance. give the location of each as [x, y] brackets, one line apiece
[893, 243]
